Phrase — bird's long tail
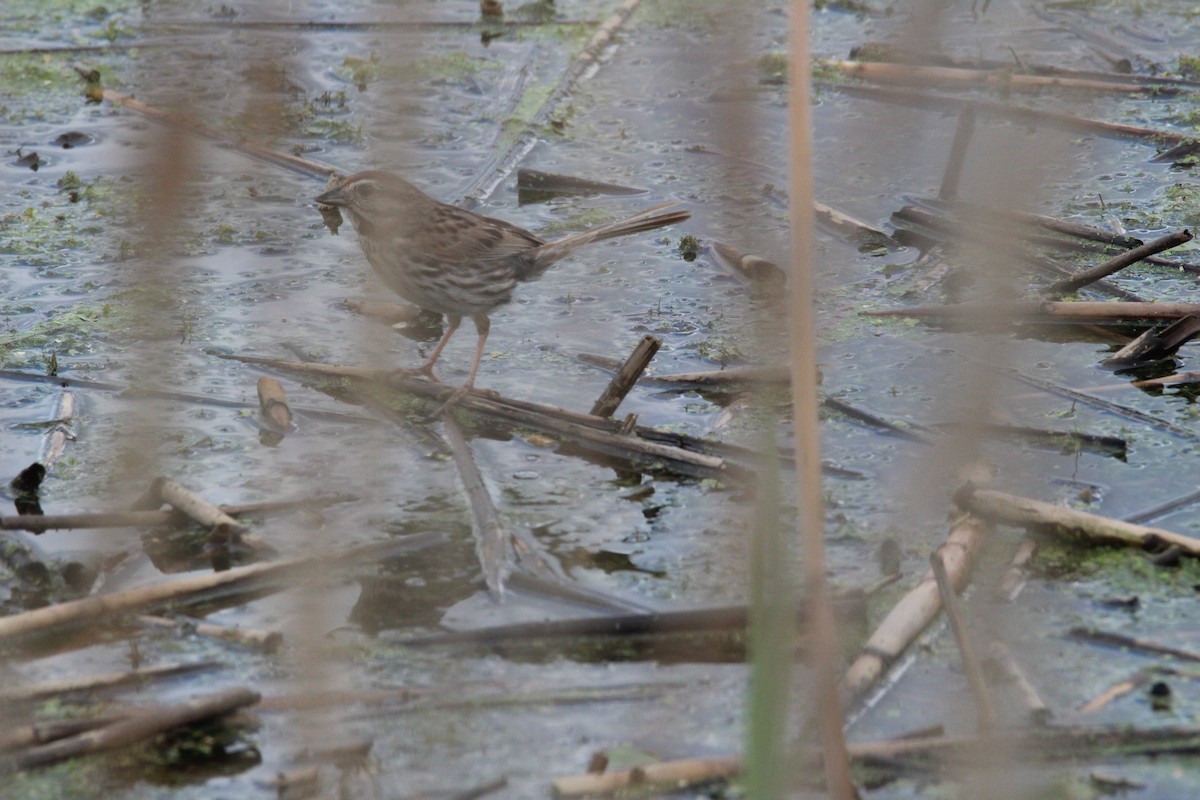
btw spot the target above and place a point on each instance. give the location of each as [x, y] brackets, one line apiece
[539, 258]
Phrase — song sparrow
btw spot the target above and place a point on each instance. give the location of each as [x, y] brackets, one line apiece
[456, 262]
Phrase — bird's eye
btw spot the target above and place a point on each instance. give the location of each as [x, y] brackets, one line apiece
[366, 189]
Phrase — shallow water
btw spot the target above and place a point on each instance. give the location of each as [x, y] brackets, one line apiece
[678, 110]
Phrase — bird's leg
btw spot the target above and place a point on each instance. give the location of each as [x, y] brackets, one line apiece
[426, 369]
[482, 326]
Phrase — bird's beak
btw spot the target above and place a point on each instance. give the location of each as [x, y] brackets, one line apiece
[334, 197]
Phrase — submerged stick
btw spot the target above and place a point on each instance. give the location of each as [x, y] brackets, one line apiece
[1117, 263]
[109, 680]
[1014, 578]
[1133, 643]
[1053, 119]
[196, 588]
[1002, 657]
[966, 649]
[626, 376]
[958, 154]
[1034, 311]
[135, 728]
[491, 542]
[692, 620]
[1005, 80]
[1067, 523]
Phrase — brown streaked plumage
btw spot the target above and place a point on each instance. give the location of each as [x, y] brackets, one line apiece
[456, 262]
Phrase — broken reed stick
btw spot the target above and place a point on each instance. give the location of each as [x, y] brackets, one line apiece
[35, 692]
[1114, 692]
[1053, 119]
[1007, 216]
[1161, 509]
[915, 610]
[756, 271]
[840, 222]
[1133, 643]
[1067, 523]
[1117, 263]
[958, 154]
[1008, 667]
[850, 606]
[273, 405]
[1036, 744]
[392, 312]
[730, 376]
[626, 376]
[492, 544]
[1035, 311]
[222, 527]
[137, 727]
[1176, 379]
[678, 774]
[920, 222]
[56, 440]
[197, 588]
[958, 626]
[1075, 441]
[883, 52]
[157, 518]
[1014, 578]
[896, 74]
[266, 641]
